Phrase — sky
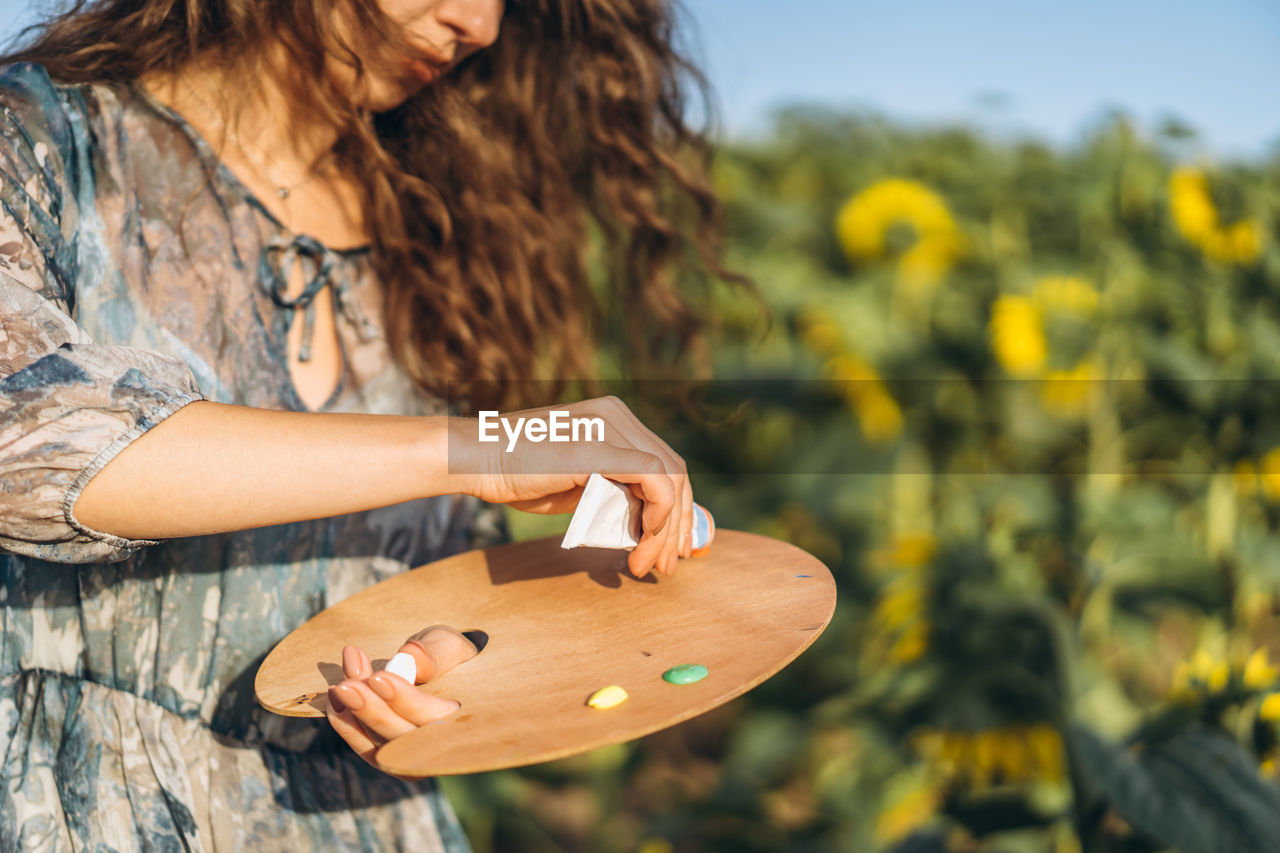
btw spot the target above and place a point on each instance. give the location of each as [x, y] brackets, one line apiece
[1044, 68]
[1049, 69]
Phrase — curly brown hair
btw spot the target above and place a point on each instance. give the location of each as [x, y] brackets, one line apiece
[490, 188]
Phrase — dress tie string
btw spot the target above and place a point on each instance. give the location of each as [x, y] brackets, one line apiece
[276, 263]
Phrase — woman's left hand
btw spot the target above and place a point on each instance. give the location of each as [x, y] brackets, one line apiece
[369, 708]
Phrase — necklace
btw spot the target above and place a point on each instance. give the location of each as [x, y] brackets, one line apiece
[283, 190]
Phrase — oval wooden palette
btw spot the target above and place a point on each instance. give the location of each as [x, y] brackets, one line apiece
[562, 624]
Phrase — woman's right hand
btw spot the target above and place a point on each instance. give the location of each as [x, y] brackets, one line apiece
[548, 477]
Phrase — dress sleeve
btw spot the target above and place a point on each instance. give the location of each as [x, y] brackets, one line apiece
[67, 405]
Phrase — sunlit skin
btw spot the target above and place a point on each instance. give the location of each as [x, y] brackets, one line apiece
[379, 706]
[447, 31]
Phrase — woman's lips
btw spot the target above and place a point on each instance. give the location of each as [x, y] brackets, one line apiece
[425, 70]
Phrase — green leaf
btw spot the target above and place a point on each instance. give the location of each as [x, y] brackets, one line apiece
[1196, 791]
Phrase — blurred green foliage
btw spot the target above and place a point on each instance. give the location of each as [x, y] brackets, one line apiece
[1057, 619]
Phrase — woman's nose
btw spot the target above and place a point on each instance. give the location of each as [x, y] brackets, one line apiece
[475, 22]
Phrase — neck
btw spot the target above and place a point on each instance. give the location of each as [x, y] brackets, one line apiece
[263, 122]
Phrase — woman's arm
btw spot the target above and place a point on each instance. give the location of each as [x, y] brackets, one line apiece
[213, 467]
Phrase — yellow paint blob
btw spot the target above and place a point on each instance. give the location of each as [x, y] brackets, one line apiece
[607, 697]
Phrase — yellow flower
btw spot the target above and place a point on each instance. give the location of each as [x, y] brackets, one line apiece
[821, 334]
[928, 260]
[1065, 293]
[1245, 477]
[879, 415]
[877, 412]
[908, 812]
[1196, 218]
[907, 549]
[1259, 674]
[1066, 393]
[847, 367]
[1017, 335]
[1202, 674]
[1013, 759]
[902, 601]
[1269, 710]
[1219, 675]
[1188, 677]
[865, 220]
[898, 624]
[1046, 747]
[1246, 240]
[1009, 755]
[1189, 201]
[1269, 474]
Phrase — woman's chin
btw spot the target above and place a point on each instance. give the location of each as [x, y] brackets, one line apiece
[386, 94]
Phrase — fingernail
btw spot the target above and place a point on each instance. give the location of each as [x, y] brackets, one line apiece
[350, 660]
[382, 686]
[349, 697]
[442, 707]
[335, 703]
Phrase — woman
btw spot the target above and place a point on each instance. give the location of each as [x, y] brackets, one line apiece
[246, 246]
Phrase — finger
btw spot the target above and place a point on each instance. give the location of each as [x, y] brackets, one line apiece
[634, 430]
[355, 663]
[675, 527]
[560, 502]
[658, 497]
[666, 549]
[686, 521]
[655, 518]
[652, 486]
[405, 710]
[438, 649]
[344, 722]
[643, 557]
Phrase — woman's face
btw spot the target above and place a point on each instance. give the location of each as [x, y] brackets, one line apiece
[445, 31]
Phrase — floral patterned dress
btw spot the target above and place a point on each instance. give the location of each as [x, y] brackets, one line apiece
[138, 274]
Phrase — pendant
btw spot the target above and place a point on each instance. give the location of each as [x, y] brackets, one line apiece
[283, 192]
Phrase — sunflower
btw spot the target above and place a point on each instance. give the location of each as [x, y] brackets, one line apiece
[1269, 473]
[907, 550]
[1196, 218]
[1009, 755]
[878, 413]
[864, 222]
[908, 812]
[1067, 393]
[1017, 335]
[1018, 339]
[1205, 674]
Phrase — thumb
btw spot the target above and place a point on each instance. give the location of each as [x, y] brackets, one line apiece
[438, 649]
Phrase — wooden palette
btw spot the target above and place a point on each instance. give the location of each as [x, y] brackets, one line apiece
[562, 624]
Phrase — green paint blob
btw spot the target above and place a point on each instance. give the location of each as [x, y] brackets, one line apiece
[685, 673]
